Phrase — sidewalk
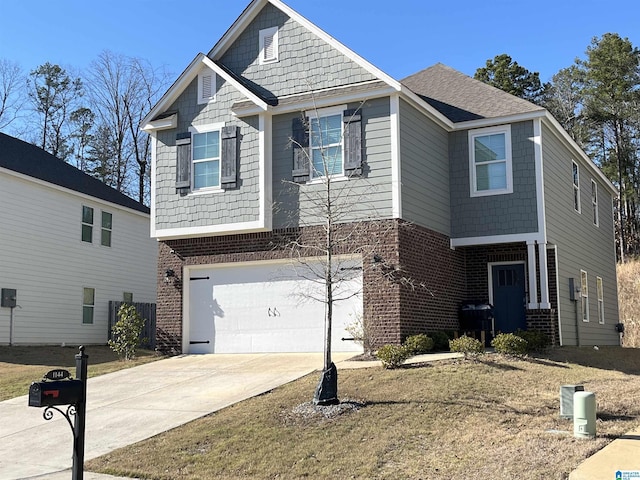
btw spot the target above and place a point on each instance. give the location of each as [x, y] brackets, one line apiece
[623, 454]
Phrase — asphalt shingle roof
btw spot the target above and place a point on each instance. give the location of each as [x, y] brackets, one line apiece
[461, 98]
[27, 159]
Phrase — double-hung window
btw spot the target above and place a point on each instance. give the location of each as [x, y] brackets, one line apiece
[87, 224]
[88, 304]
[105, 235]
[584, 293]
[575, 172]
[600, 300]
[326, 142]
[490, 164]
[206, 157]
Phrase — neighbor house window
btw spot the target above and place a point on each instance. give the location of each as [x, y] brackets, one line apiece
[600, 300]
[490, 161]
[268, 39]
[105, 234]
[584, 293]
[206, 156]
[325, 142]
[576, 187]
[87, 224]
[127, 297]
[88, 304]
[206, 85]
[594, 201]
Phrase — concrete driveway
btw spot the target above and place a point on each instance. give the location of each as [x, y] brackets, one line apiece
[134, 404]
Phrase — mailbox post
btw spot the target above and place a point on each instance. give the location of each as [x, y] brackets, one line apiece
[57, 388]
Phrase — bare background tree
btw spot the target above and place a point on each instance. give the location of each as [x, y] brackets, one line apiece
[12, 82]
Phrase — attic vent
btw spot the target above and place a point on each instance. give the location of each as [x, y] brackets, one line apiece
[269, 45]
[206, 86]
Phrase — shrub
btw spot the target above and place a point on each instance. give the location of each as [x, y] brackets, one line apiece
[537, 341]
[467, 345]
[510, 344]
[392, 356]
[125, 334]
[418, 344]
[440, 341]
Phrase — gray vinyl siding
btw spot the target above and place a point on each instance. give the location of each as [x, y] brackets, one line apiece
[214, 208]
[424, 171]
[304, 62]
[514, 213]
[368, 197]
[581, 245]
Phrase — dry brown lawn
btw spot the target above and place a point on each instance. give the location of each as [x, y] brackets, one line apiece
[496, 418]
[629, 301]
[21, 365]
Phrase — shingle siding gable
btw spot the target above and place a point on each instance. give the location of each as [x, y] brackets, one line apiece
[305, 61]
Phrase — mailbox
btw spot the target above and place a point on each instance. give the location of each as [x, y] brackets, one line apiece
[57, 392]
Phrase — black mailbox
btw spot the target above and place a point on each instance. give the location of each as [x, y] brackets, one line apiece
[57, 392]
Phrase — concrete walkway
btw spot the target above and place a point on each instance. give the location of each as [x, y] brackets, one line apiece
[623, 454]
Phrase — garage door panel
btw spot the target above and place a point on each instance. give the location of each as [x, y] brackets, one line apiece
[263, 308]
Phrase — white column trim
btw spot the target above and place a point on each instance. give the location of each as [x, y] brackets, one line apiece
[532, 269]
[537, 148]
[265, 178]
[152, 190]
[396, 180]
[544, 276]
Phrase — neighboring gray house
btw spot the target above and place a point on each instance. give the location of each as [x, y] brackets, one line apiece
[468, 191]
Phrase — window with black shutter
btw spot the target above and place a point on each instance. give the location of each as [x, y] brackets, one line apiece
[352, 120]
[183, 163]
[300, 144]
[229, 167]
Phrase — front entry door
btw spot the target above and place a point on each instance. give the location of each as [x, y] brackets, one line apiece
[508, 283]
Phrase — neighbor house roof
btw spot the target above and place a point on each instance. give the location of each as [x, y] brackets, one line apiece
[461, 98]
[27, 159]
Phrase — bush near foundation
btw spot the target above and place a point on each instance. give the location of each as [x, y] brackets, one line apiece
[392, 356]
[419, 344]
[510, 344]
[471, 347]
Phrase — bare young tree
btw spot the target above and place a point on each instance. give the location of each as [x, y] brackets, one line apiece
[336, 223]
[11, 84]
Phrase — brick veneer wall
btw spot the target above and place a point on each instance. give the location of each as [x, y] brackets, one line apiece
[415, 288]
[477, 259]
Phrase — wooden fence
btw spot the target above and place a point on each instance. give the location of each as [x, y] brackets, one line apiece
[146, 311]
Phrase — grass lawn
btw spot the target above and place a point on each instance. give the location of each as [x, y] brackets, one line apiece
[19, 366]
[496, 418]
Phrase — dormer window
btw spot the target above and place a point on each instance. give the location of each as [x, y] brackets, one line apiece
[206, 86]
[269, 45]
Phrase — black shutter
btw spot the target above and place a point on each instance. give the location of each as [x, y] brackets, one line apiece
[300, 143]
[229, 167]
[352, 142]
[183, 163]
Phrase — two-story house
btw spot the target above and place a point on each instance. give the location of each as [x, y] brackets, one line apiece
[451, 191]
[69, 244]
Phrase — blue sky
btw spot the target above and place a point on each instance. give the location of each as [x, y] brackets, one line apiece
[400, 37]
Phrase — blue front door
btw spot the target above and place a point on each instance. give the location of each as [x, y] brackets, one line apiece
[509, 297]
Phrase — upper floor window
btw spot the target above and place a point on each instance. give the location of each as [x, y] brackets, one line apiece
[600, 300]
[206, 86]
[594, 202]
[87, 224]
[325, 141]
[584, 293]
[206, 157]
[575, 171]
[105, 234]
[268, 45]
[490, 163]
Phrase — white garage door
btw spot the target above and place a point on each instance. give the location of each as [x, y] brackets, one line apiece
[268, 307]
